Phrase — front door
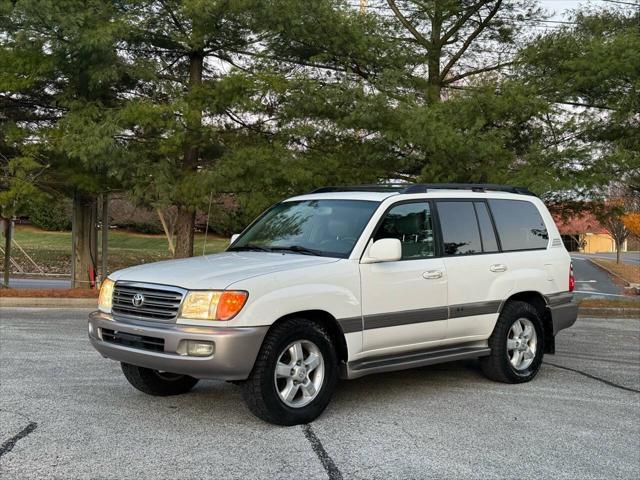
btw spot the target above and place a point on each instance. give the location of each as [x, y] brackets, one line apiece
[404, 303]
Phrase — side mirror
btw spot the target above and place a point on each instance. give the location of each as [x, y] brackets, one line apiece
[234, 237]
[384, 250]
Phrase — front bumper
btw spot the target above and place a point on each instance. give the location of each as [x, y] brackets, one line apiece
[235, 348]
[564, 311]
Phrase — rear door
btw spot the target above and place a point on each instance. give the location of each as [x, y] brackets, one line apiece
[478, 273]
[404, 303]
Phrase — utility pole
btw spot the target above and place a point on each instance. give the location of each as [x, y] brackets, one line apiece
[105, 238]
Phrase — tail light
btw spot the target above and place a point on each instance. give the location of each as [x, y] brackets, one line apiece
[572, 279]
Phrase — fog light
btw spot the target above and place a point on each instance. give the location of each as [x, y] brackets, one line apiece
[199, 349]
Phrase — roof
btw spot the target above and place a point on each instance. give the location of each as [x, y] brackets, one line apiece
[380, 192]
[381, 196]
[427, 187]
[367, 196]
[584, 222]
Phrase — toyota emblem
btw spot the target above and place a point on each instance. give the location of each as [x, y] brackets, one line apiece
[137, 300]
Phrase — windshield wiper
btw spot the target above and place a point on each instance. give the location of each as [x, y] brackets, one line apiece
[250, 248]
[297, 249]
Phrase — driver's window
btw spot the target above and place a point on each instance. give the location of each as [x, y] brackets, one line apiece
[411, 223]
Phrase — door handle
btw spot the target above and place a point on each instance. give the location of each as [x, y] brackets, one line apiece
[432, 274]
[498, 267]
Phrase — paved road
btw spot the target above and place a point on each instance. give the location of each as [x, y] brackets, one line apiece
[578, 419]
[592, 281]
[627, 257]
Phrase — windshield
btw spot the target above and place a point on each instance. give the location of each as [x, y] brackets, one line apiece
[328, 228]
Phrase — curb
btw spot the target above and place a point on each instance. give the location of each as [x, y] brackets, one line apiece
[611, 312]
[48, 302]
[597, 265]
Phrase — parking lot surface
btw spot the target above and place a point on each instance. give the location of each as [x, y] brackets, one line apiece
[65, 412]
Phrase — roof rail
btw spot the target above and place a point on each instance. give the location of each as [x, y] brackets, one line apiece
[475, 187]
[381, 187]
[425, 187]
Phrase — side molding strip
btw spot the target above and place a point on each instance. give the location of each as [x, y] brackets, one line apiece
[350, 325]
[423, 315]
[477, 308]
[405, 317]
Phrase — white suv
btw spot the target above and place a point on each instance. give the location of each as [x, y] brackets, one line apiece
[344, 282]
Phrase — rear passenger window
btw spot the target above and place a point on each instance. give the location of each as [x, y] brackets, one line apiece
[411, 224]
[460, 234]
[519, 225]
[489, 243]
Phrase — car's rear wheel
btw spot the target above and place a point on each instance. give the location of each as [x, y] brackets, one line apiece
[154, 382]
[294, 375]
[517, 345]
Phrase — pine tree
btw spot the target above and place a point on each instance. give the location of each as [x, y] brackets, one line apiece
[62, 80]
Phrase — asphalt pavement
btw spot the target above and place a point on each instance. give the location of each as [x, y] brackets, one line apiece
[23, 282]
[626, 257]
[593, 281]
[65, 412]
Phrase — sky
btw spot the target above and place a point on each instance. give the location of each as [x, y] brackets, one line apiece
[560, 7]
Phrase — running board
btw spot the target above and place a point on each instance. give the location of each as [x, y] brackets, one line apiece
[367, 366]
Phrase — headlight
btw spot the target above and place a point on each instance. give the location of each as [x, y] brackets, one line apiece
[106, 296]
[213, 305]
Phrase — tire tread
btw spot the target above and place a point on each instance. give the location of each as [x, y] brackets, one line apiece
[253, 389]
[495, 366]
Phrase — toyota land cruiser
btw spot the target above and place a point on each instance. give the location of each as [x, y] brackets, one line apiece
[341, 283]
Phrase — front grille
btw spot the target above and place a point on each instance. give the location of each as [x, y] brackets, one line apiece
[131, 340]
[160, 304]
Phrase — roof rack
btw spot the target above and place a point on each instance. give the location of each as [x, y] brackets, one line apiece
[474, 187]
[381, 187]
[425, 187]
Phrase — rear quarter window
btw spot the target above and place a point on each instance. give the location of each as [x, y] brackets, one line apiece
[519, 224]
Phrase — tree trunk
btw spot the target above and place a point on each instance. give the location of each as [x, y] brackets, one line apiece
[84, 240]
[434, 86]
[8, 233]
[434, 57]
[185, 223]
[618, 248]
[168, 232]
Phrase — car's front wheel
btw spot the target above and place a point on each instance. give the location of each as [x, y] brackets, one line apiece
[294, 375]
[517, 345]
[154, 382]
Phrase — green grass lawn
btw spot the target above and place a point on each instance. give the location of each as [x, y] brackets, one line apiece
[52, 250]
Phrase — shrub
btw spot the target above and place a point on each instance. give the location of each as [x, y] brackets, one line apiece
[50, 213]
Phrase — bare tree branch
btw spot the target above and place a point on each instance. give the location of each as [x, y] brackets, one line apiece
[478, 30]
[462, 20]
[408, 25]
[491, 68]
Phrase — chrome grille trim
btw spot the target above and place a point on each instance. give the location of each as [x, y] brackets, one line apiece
[161, 302]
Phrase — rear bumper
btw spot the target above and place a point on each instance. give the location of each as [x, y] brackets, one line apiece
[235, 349]
[564, 310]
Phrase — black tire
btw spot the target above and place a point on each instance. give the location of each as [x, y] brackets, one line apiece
[157, 383]
[497, 365]
[259, 390]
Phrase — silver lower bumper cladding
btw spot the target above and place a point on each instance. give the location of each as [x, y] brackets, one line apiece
[235, 348]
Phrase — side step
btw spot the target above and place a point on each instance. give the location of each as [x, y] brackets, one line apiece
[367, 366]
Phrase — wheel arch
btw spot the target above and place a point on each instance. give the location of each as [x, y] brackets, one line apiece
[325, 319]
[539, 302]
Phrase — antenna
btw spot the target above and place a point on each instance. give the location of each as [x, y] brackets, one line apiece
[206, 230]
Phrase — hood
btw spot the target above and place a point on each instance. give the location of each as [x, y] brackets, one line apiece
[216, 271]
